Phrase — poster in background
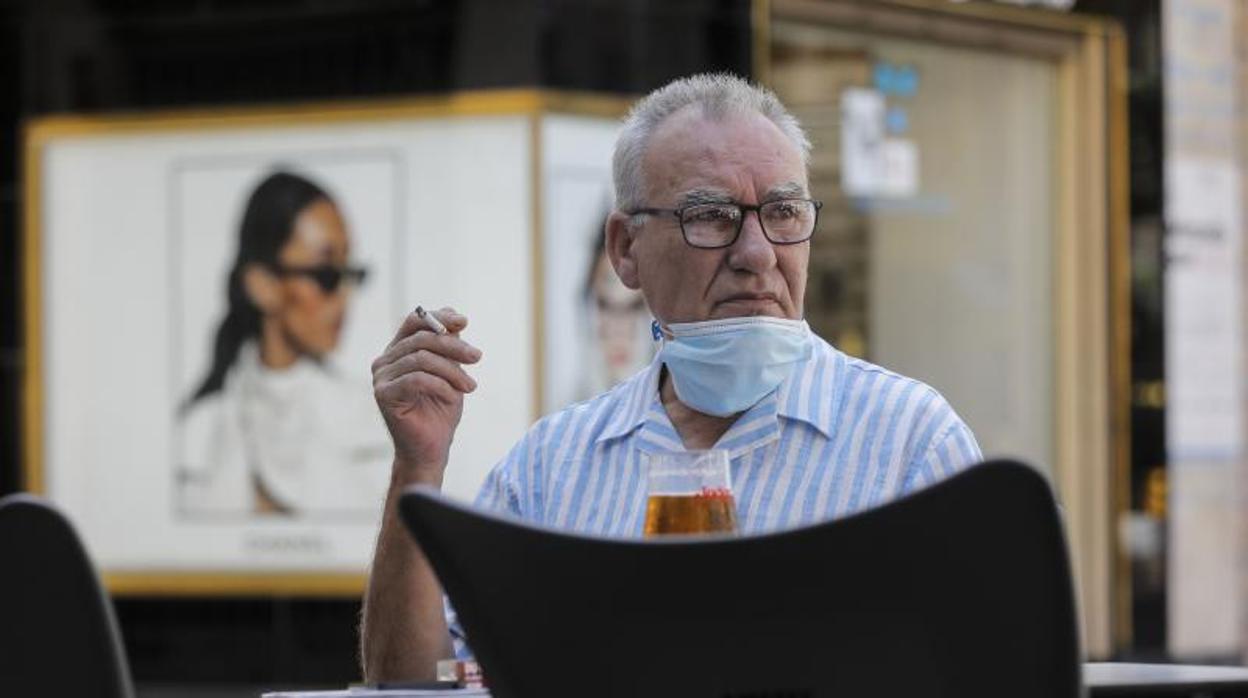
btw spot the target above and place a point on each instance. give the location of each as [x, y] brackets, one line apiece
[281, 468]
[274, 408]
[597, 330]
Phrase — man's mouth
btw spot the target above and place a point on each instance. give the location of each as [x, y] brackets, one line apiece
[749, 298]
[751, 303]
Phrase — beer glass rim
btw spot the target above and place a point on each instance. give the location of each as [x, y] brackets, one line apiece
[691, 463]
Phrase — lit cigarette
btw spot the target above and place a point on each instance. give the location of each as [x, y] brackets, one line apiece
[431, 320]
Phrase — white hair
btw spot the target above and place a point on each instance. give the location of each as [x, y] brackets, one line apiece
[718, 95]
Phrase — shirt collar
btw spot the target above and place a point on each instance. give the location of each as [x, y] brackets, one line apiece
[809, 392]
[636, 396]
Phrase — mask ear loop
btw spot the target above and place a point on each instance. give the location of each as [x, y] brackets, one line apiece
[660, 334]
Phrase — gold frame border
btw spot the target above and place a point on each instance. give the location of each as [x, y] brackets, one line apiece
[469, 103]
[1120, 319]
[1090, 55]
[234, 584]
[40, 132]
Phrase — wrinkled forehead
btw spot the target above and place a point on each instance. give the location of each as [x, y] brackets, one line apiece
[694, 156]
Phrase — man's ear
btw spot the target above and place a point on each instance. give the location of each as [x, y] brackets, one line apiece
[262, 287]
[619, 232]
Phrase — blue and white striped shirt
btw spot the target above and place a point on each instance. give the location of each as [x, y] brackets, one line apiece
[839, 435]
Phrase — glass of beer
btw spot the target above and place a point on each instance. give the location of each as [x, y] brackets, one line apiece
[690, 492]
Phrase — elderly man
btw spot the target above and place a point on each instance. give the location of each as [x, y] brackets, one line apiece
[713, 222]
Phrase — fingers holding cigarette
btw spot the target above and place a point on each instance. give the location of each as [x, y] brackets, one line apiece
[429, 343]
[431, 320]
[425, 361]
[447, 345]
[442, 322]
[419, 384]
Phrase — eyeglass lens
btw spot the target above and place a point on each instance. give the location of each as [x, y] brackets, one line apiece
[717, 225]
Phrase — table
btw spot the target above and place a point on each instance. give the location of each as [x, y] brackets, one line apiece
[1103, 679]
[1120, 680]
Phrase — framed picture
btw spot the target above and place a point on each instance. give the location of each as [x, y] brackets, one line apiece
[206, 292]
[600, 330]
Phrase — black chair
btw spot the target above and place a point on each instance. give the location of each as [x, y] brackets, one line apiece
[961, 590]
[58, 636]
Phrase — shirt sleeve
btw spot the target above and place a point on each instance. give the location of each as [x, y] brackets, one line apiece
[498, 492]
[459, 641]
[951, 447]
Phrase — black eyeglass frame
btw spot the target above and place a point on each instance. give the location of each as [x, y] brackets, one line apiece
[744, 209]
[326, 276]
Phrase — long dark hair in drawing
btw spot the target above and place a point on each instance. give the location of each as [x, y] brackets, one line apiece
[267, 224]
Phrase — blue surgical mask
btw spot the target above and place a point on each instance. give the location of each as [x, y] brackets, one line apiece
[722, 367]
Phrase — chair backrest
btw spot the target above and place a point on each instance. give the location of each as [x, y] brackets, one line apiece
[58, 636]
[960, 590]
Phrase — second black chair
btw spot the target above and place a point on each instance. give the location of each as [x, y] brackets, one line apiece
[58, 636]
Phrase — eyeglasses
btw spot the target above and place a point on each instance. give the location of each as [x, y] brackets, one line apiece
[327, 276]
[712, 226]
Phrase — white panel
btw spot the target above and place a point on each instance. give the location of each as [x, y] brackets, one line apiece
[1205, 349]
[139, 231]
[586, 322]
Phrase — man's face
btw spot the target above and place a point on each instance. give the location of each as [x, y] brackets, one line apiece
[744, 159]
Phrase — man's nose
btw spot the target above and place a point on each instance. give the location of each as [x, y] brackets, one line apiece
[752, 251]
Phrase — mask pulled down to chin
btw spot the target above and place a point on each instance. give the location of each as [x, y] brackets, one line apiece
[722, 367]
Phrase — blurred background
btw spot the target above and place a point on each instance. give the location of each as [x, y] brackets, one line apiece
[1036, 207]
